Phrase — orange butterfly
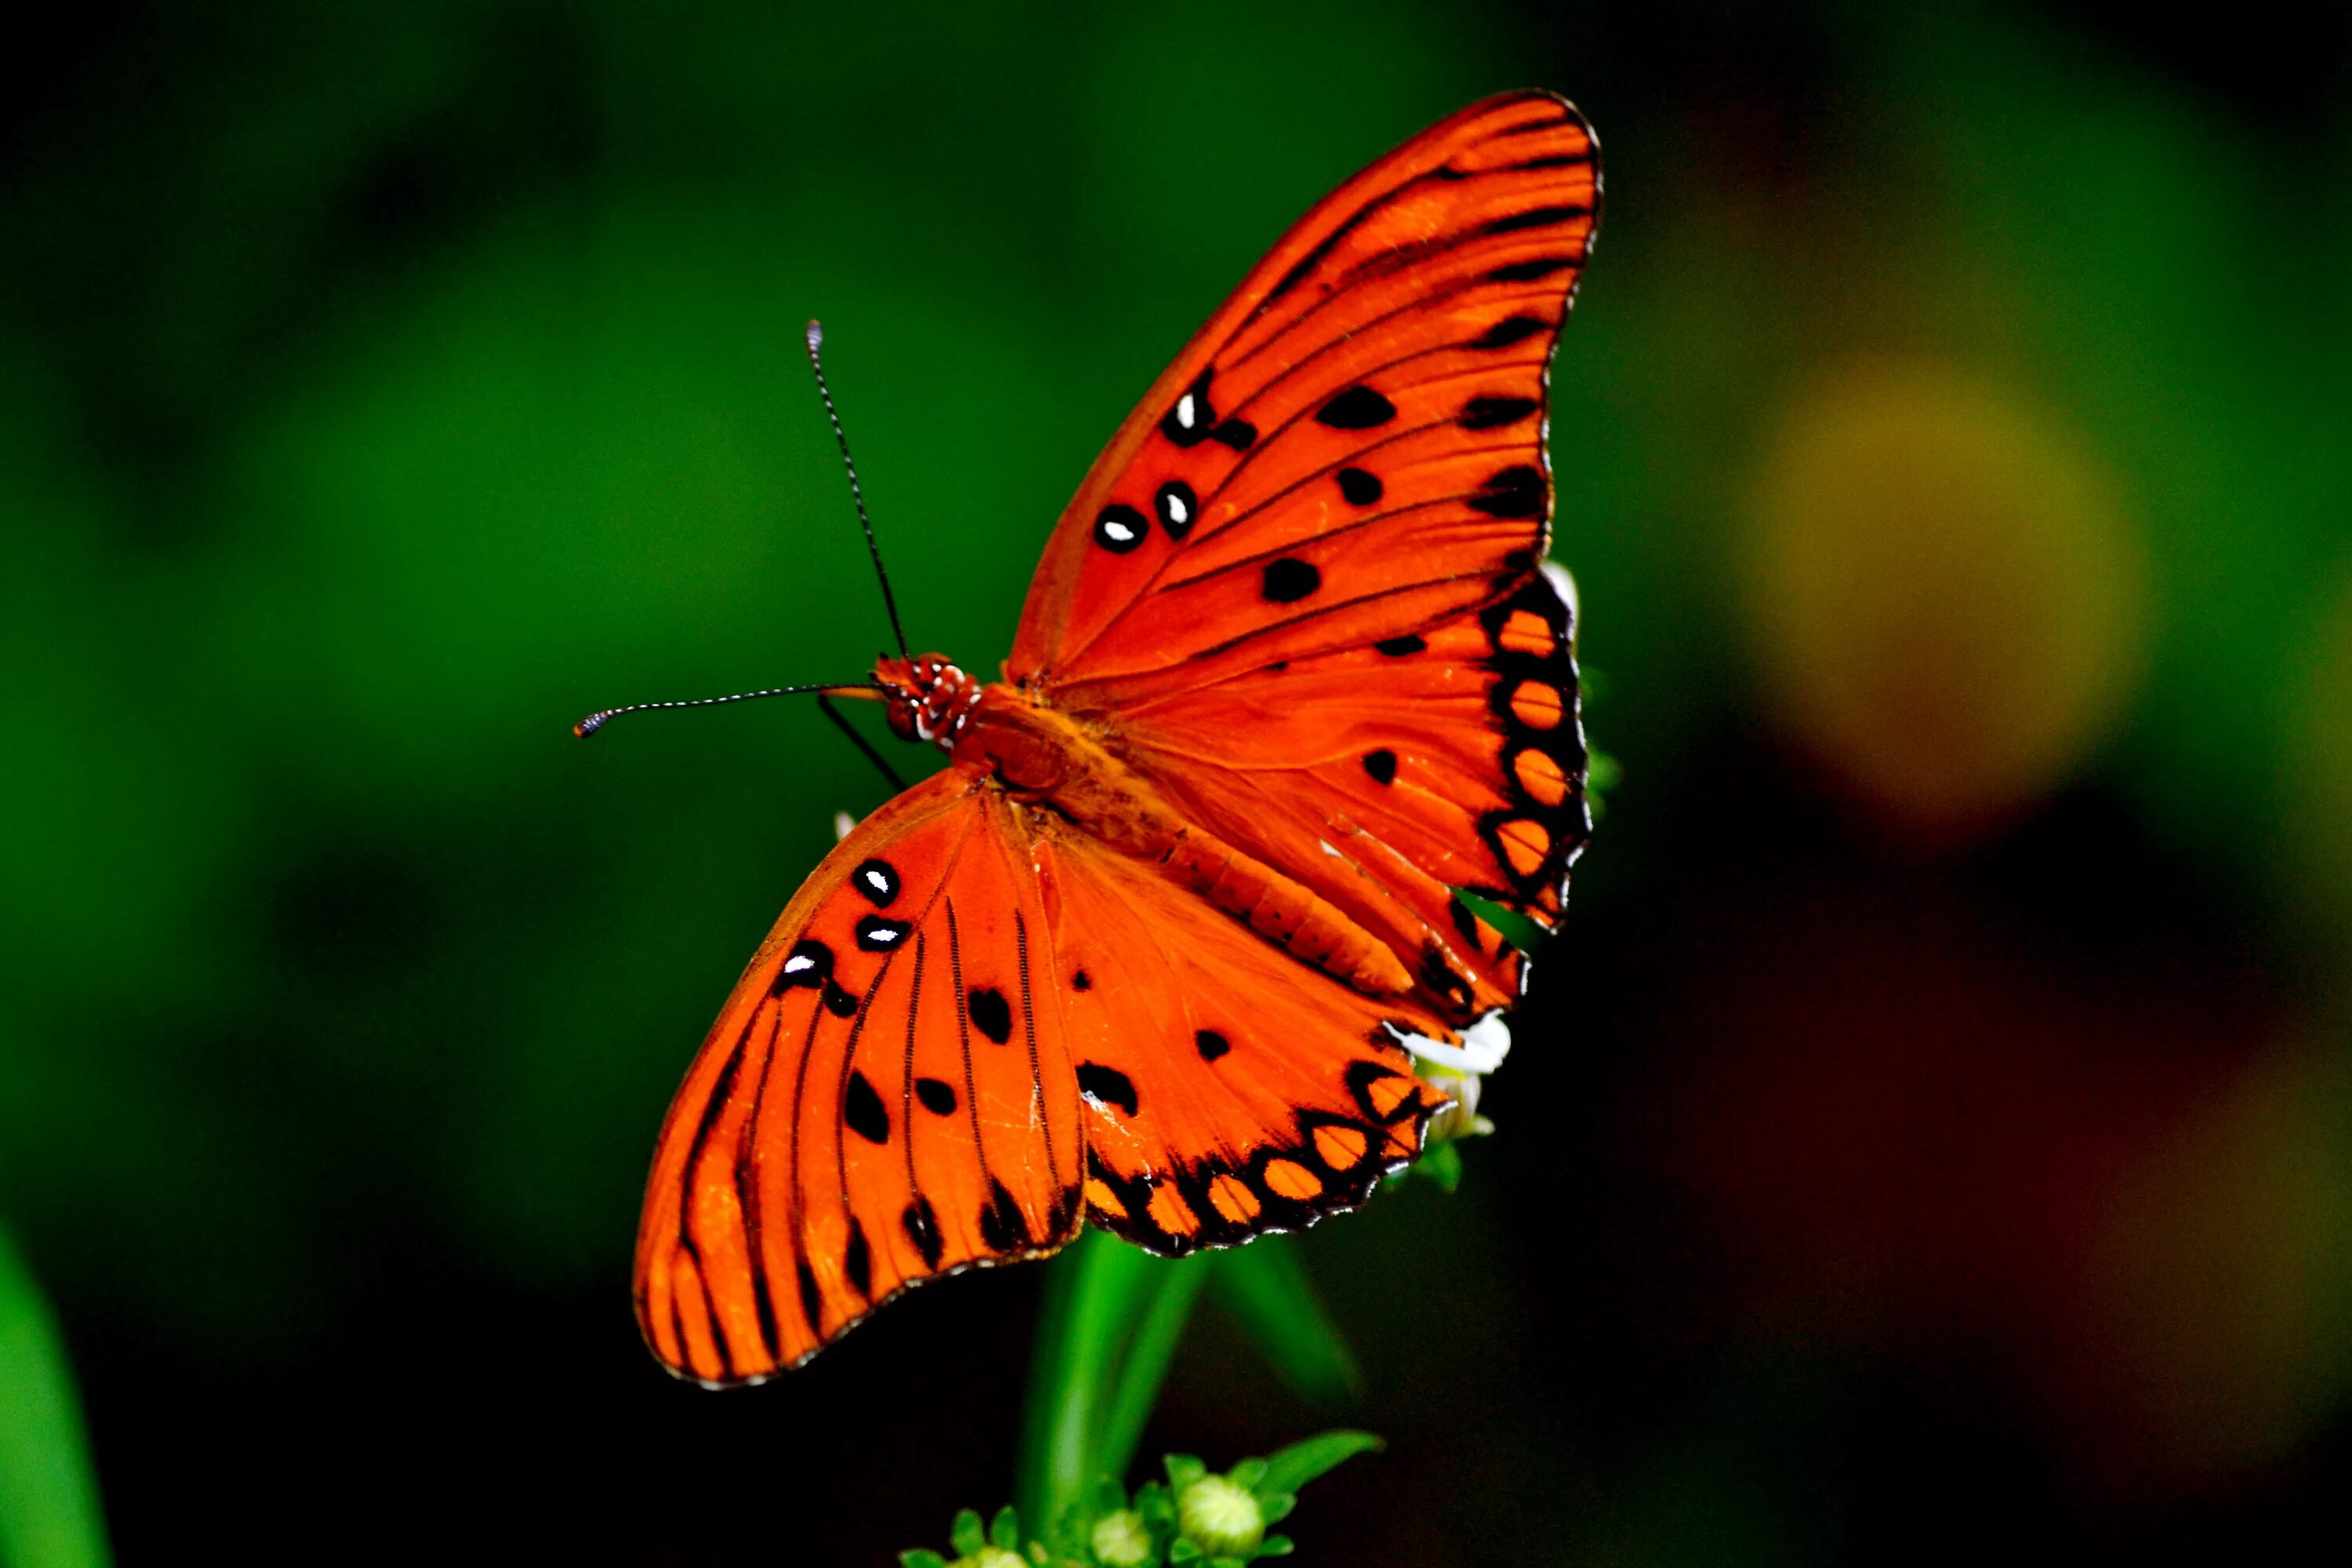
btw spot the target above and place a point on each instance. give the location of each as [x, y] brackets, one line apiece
[1154, 949]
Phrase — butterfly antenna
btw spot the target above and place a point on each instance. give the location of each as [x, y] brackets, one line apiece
[816, 363]
[861, 690]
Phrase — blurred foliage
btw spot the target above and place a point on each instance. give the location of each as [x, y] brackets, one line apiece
[49, 1502]
[382, 388]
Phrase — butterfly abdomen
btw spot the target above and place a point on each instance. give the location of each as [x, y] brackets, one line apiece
[1046, 757]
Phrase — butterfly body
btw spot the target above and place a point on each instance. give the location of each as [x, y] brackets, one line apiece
[1019, 743]
[1158, 949]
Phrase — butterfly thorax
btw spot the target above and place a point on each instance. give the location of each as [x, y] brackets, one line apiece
[1043, 757]
[929, 698]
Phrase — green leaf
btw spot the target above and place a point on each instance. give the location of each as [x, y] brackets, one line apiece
[1106, 1496]
[1247, 1474]
[1276, 1546]
[1294, 1467]
[921, 1557]
[1184, 1552]
[48, 1501]
[1183, 1470]
[1004, 1535]
[966, 1535]
[1266, 1289]
[1517, 930]
[1276, 1506]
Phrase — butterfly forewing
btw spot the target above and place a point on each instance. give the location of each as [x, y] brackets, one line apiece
[1352, 449]
[886, 1096]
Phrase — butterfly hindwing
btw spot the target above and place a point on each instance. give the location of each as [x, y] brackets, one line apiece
[886, 1096]
[1353, 448]
[1228, 1088]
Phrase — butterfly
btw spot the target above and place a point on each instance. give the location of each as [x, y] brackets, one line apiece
[1157, 950]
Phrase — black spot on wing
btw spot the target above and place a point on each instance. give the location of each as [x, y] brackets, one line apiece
[1211, 1043]
[1289, 580]
[1398, 647]
[1536, 217]
[857, 1261]
[812, 1303]
[1493, 413]
[991, 1014]
[877, 879]
[1107, 1086]
[1508, 330]
[841, 1003]
[1358, 409]
[879, 934]
[1360, 488]
[1082, 981]
[1002, 1226]
[1120, 528]
[1176, 507]
[1529, 271]
[938, 1097]
[1516, 491]
[810, 964]
[922, 1227]
[1466, 920]
[1381, 764]
[1191, 418]
[863, 1110]
[1237, 433]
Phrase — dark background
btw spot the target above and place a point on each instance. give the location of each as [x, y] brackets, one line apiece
[1931, 1137]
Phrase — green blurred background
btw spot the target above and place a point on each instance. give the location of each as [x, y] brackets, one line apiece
[1932, 1133]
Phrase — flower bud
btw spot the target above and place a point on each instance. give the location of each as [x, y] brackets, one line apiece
[1223, 1519]
[1121, 1540]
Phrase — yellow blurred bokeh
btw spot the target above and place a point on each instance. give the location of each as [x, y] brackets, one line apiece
[1947, 601]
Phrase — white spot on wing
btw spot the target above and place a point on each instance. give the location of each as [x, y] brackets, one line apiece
[1184, 414]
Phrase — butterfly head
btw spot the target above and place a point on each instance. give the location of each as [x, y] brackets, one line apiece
[930, 699]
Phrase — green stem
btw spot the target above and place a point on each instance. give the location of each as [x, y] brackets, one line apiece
[1167, 1308]
[1112, 1317]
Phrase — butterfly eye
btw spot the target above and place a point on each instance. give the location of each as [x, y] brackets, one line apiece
[1120, 528]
